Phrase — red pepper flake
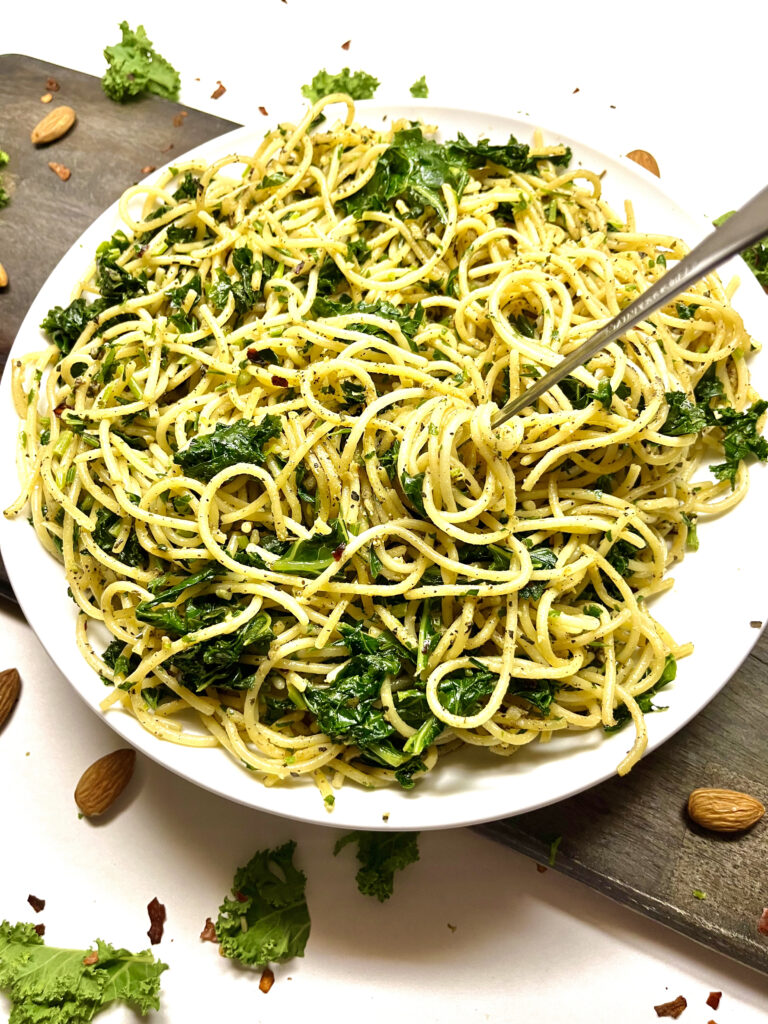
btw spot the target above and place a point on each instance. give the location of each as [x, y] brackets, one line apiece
[713, 999]
[92, 958]
[575, 91]
[208, 934]
[148, 169]
[671, 1009]
[762, 924]
[240, 897]
[156, 911]
[267, 980]
[36, 903]
[40, 929]
[253, 355]
[218, 91]
[339, 551]
[345, 46]
[179, 118]
[52, 85]
[279, 382]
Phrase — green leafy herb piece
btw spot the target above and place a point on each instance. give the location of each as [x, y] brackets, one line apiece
[683, 416]
[105, 533]
[241, 441]
[408, 318]
[357, 84]
[405, 774]
[65, 325]
[685, 311]
[645, 700]
[698, 894]
[266, 919]
[349, 707]
[692, 536]
[740, 439]
[313, 556]
[420, 89]
[430, 631]
[413, 169]
[135, 67]
[413, 488]
[461, 693]
[756, 256]
[380, 855]
[47, 985]
[216, 662]
[579, 395]
[512, 154]
[4, 196]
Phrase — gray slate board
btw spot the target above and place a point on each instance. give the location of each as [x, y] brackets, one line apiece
[628, 838]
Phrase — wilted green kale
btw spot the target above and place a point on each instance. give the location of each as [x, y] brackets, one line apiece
[242, 441]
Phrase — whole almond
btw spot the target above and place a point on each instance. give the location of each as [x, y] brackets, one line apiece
[642, 157]
[724, 810]
[10, 687]
[55, 124]
[3, 276]
[102, 783]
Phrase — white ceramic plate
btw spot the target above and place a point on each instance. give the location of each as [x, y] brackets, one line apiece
[718, 591]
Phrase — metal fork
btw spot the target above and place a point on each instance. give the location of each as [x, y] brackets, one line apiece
[742, 229]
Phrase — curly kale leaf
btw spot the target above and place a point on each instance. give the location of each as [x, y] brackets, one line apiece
[47, 985]
[216, 662]
[357, 84]
[242, 441]
[621, 714]
[380, 855]
[266, 920]
[408, 318]
[105, 533]
[136, 67]
[420, 89]
[413, 169]
[740, 439]
[64, 325]
[512, 154]
[461, 693]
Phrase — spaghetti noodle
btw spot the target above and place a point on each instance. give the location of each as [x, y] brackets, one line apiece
[264, 452]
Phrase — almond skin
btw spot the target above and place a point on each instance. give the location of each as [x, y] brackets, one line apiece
[10, 687]
[645, 159]
[724, 810]
[55, 124]
[102, 783]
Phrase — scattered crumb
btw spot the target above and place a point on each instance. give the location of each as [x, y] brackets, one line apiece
[575, 91]
[63, 172]
[40, 929]
[52, 85]
[267, 980]
[156, 911]
[385, 816]
[46, 98]
[671, 1009]
[36, 903]
[218, 91]
[452, 926]
[613, 106]
[345, 46]
[263, 110]
[148, 169]
[208, 934]
[756, 624]
[762, 924]
[179, 118]
[166, 149]
[713, 999]
[197, 79]
[541, 868]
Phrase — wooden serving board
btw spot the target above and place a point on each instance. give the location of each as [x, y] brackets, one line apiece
[628, 838]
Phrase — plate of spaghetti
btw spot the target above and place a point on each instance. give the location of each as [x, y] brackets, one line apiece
[275, 539]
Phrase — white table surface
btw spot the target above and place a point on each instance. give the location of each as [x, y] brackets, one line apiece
[682, 80]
